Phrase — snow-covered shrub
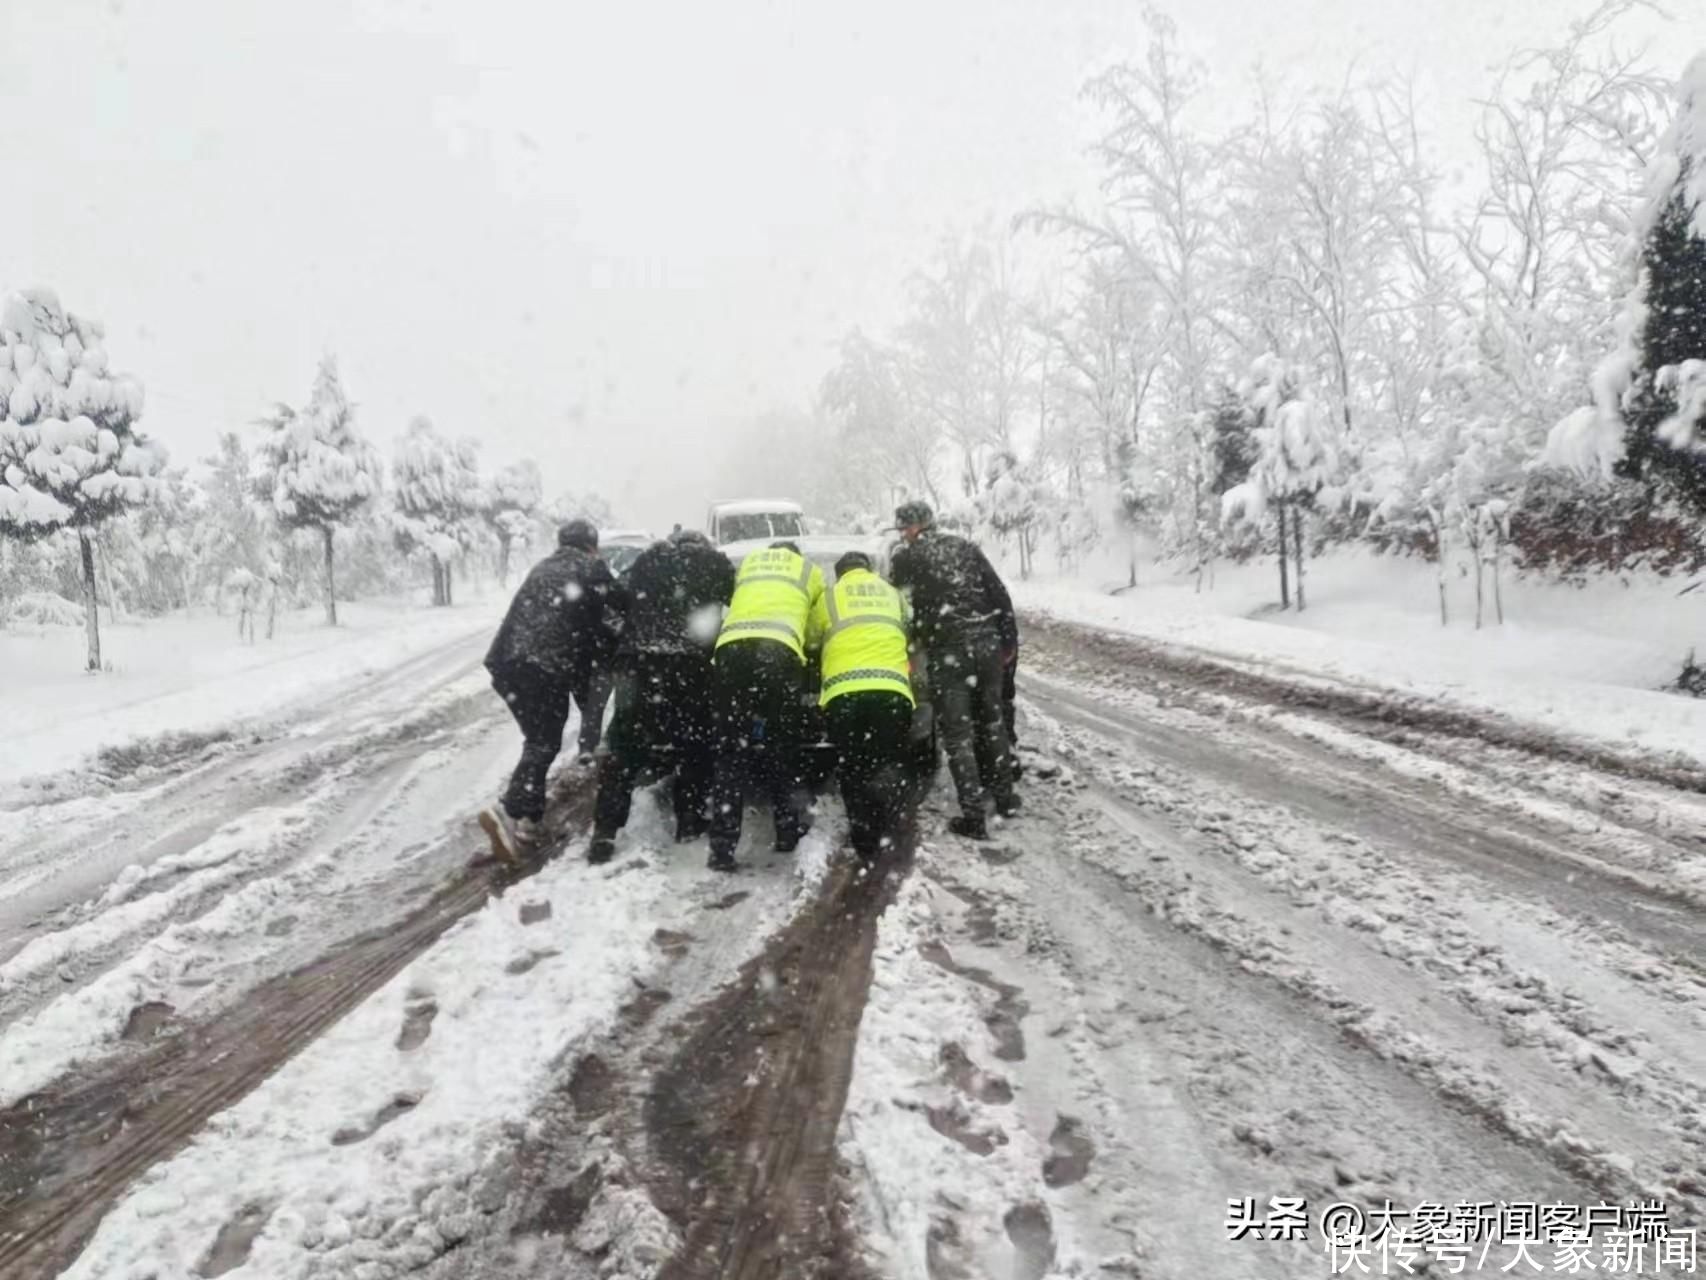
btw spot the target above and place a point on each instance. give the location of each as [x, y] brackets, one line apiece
[40, 609]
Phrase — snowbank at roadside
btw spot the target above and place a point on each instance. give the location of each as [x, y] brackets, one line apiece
[189, 674]
[1587, 662]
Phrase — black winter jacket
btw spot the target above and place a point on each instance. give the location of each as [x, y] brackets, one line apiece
[564, 621]
[957, 597]
[673, 589]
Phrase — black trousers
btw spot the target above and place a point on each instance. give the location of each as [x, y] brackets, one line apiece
[756, 689]
[872, 733]
[1009, 696]
[663, 717]
[591, 697]
[539, 702]
[965, 688]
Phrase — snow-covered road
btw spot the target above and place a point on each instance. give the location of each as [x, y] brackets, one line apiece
[1236, 945]
[239, 861]
[1231, 952]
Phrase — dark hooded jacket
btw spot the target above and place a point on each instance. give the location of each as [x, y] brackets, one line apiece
[957, 597]
[563, 623]
[672, 588]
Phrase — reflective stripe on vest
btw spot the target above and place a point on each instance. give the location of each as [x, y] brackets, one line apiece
[868, 673]
[801, 581]
[762, 624]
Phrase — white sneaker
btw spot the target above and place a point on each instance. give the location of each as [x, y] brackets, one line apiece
[502, 831]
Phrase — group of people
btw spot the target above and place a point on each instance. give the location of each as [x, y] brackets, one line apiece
[711, 668]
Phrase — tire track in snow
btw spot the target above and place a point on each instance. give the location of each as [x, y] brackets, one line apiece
[1497, 996]
[89, 839]
[742, 1121]
[1373, 711]
[1344, 794]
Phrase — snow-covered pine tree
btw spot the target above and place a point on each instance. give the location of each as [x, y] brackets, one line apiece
[512, 509]
[437, 495]
[1665, 404]
[70, 454]
[315, 471]
[150, 554]
[233, 538]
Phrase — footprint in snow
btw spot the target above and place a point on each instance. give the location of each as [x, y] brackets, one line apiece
[231, 1247]
[417, 1025]
[1072, 1152]
[1031, 1231]
[400, 1105]
[147, 1020]
[534, 912]
[522, 963]
[945, 1253]
[671, 943]
[953, 1122]
[972, 1080]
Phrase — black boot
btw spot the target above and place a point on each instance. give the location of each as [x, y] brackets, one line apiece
[690, 826]
[721, 860]
[1007, 805]
[602, 849]
[971, 826]
[788, 837]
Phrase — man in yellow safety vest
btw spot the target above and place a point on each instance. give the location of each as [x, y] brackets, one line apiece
[867, 698]
[758, 678]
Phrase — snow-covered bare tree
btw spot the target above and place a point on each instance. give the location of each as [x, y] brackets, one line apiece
[1164, 187]
[1105, 348]
[966, 351]
[315, 471]
[70, 454]
[1319, 211]
[1565, 140]
[883, 429]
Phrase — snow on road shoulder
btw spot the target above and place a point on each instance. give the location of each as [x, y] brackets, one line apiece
[371, 1151]
[1570, 678]
[188, 675]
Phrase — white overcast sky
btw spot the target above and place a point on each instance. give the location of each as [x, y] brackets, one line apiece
[591, 231]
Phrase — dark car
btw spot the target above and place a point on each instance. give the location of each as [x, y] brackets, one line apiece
[621, 547]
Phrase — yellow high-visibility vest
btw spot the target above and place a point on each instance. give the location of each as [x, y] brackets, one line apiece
[775, 590]
[863, 622]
